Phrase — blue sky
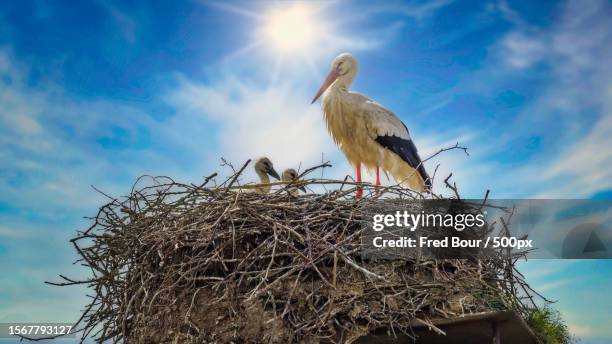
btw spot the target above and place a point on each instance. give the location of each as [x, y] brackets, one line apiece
[100, 92]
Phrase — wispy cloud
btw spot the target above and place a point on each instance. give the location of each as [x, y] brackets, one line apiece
[7, 232]
[417, 10]
[127, 25]
[570, 111]
[585, 165]
[581, 331]
[579, 97]
[422, 9]
[54, 146]
[277, 121]
[368, 40]
[523, 50]
[547, 287]
[546, 269]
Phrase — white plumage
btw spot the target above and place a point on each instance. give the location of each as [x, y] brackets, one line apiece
[264, 168]
[366, 132]
[291, 176]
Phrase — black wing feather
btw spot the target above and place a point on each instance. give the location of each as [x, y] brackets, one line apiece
[406, 150]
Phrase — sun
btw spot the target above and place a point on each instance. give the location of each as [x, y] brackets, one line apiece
[287, 34]
[291, 30]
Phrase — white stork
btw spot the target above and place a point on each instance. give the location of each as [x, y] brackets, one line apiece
[263, 168]
[290, 175]
[368, 133]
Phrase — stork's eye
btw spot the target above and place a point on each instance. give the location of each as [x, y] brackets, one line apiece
[340, 69]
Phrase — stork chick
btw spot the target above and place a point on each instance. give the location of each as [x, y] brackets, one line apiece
[366, 132]
[264, 168]
[290, 175]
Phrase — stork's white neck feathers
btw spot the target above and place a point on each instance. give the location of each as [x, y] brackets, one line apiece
[263, 176]
[339, 88]
[344, 81]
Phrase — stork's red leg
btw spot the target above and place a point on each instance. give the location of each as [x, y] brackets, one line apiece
[377, 179]
[359, 189]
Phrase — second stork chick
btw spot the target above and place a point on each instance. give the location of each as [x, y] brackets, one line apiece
[290, 175]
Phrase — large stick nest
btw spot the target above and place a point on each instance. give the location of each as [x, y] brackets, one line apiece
[211, 263]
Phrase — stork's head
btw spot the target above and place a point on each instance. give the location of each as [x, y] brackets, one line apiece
[343, 70]
[264, 166]
[290, 175]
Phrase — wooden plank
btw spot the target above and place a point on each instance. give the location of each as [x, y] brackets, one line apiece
[496, 333]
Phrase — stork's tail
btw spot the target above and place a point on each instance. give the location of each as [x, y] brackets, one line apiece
[406, 175]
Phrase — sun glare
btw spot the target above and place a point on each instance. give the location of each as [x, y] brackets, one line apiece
[291, 30]
[287, 34]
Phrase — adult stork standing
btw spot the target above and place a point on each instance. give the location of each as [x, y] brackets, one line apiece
[366, 132]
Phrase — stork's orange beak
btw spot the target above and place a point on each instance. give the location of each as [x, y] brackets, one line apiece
[331, 77]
